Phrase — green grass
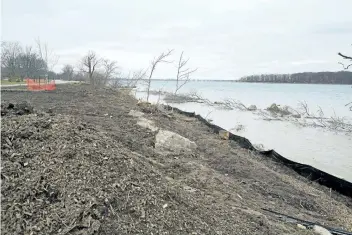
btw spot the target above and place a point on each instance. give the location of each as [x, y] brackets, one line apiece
[6, 82]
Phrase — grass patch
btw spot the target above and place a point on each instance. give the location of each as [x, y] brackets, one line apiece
[7, 82]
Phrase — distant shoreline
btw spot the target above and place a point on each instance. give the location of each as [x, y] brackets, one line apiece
[238, 81]
[325, 78]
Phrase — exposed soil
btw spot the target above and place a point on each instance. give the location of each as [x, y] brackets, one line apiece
[77, 163]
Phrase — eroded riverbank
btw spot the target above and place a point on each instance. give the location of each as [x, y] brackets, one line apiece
[82, 164]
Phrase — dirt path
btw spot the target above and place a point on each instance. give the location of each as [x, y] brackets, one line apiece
[80, 164]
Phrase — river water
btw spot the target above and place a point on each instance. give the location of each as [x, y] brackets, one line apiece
[325, 149]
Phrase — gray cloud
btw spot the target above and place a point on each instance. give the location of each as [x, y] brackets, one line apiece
[224, 38]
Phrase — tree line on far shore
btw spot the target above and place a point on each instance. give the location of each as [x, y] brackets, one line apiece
[341, 77]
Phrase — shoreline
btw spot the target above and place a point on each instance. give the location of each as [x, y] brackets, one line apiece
[306, 150]
[219, 186]
[313, 174]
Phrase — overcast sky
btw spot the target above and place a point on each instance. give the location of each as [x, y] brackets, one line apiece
[224, 39]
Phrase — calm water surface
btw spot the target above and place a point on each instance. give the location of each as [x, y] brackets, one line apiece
[323, 149]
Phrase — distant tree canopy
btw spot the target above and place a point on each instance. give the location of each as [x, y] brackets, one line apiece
[342, 77]
[19, 62]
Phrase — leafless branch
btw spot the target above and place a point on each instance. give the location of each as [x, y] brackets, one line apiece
[109, 71]
[268, 116]
[233, 104]
[46, 55]
[345, 66]
[183, 74]
[349, 104]
[136, 76]
[345, 56]
[304, 107]
[207, 117]
[160, 59]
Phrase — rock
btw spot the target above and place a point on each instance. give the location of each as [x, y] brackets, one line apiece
[135, 113]
[225, 135]
[320, 230]
[143, 122]
[252, 107]
[286, 110]
[168, 141]
[274, 108]
[301, 226]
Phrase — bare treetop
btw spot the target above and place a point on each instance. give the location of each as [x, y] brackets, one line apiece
[183, 73]
[110, 68]
[160, 59]
[89, 63]
[10, 52]
[46, 55]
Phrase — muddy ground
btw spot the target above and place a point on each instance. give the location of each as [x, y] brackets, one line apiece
[78, 163]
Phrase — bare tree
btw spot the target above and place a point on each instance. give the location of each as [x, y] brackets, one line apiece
[346, 58]
[135, 77]
[89, 63]
[109, 72]
[30, 64]
[183, 74]
[160, 59]
[9, 57]
[131, 79]
[46, 55]
[67, 72]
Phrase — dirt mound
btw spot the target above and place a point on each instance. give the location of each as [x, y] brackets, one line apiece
[62, 176]
[87, 167]
[16, 109]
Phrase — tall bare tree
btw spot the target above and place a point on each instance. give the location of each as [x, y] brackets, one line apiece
[46, 55]
[160, 59]
[183, 73]
[9, 57]
[89, 64]
[109, 70]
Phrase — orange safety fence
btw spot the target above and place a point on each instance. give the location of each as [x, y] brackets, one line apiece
[32, 85]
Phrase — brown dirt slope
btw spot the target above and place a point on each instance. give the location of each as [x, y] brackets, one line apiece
[79, 164]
